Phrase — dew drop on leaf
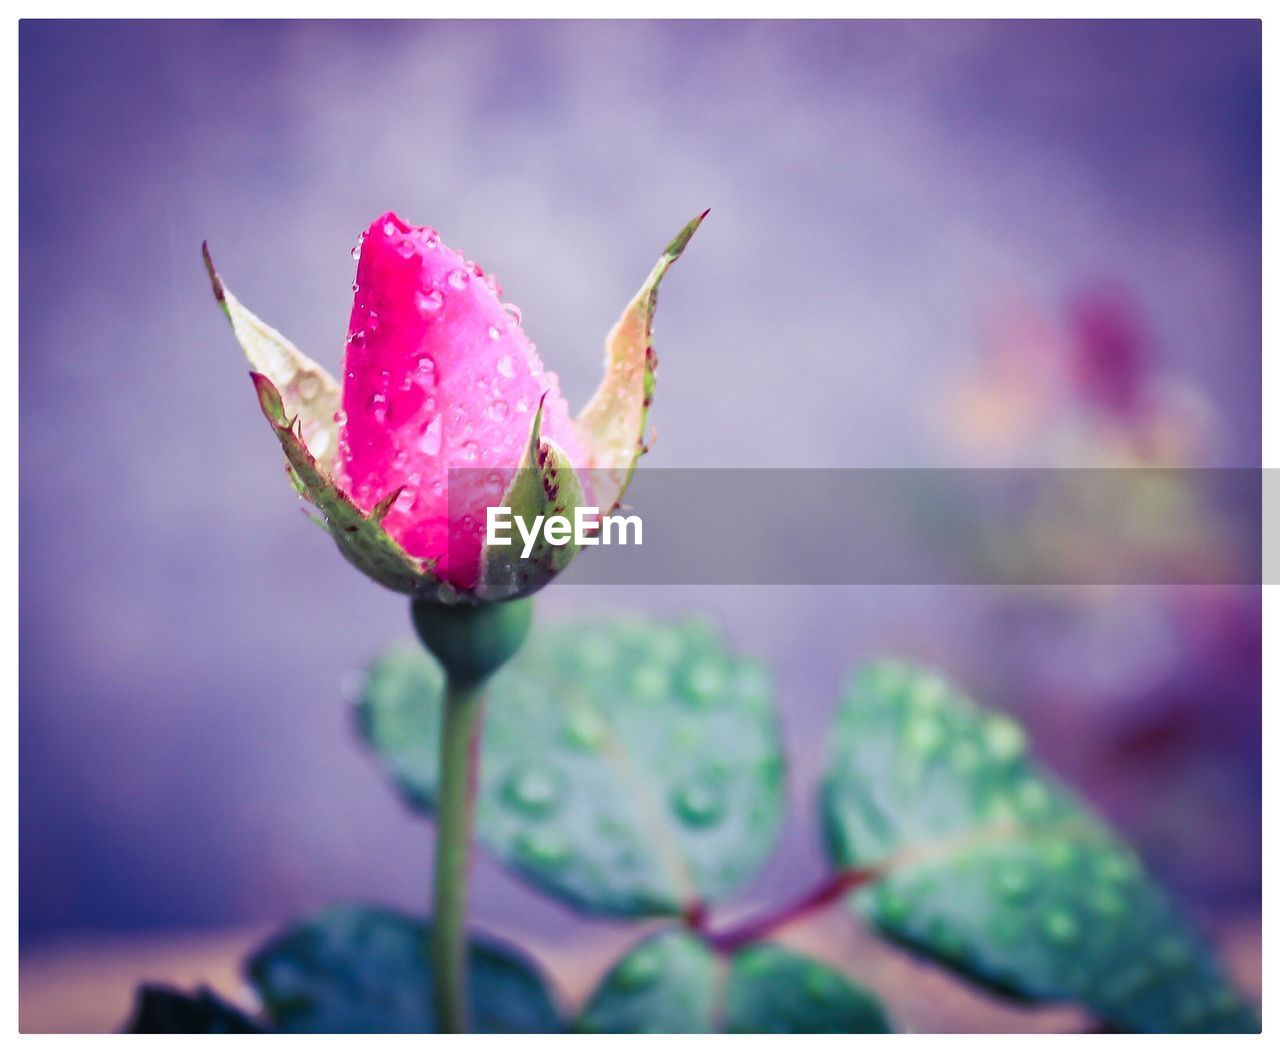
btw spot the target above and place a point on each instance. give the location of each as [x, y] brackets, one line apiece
[1061, 927]
[1005, 739]
[584, 730]
[699, 803]
[544, 847]
[704, 682]
[924, 736]
[649, 682]
[819, 984]
[639, 970]
[1014, 883]
[531, 791]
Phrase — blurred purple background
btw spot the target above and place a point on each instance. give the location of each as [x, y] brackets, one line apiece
[908, 222]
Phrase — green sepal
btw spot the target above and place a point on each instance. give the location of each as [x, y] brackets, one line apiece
[545, 484]
[982, 861]
[629, 768]
[472, 642]
[360, 537]
[300, 400]
[675, 983]
[611, 427]
[308, 392]
[353, 969]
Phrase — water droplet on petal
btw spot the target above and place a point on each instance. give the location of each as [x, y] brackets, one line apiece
[506, 365]
[406, 248]
[429, 302]
[469, 450]
[389, 228]
[459, 278]
[513, 311]
[498, 411]
[495, 333]
[429, 443]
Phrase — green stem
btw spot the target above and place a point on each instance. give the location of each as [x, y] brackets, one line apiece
[459, 762]
[471, 643]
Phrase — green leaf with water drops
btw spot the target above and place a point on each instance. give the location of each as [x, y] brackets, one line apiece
[978, 858]
[675, 983]
[353, 969]
[628, 767]
[160, 1009]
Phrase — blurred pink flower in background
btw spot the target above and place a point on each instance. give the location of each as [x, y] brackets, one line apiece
[1080, 389]
[1160, 681]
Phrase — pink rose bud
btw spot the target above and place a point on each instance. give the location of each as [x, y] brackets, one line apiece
[439, 375]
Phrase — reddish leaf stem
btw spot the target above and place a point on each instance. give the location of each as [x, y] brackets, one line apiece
[755, 929]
